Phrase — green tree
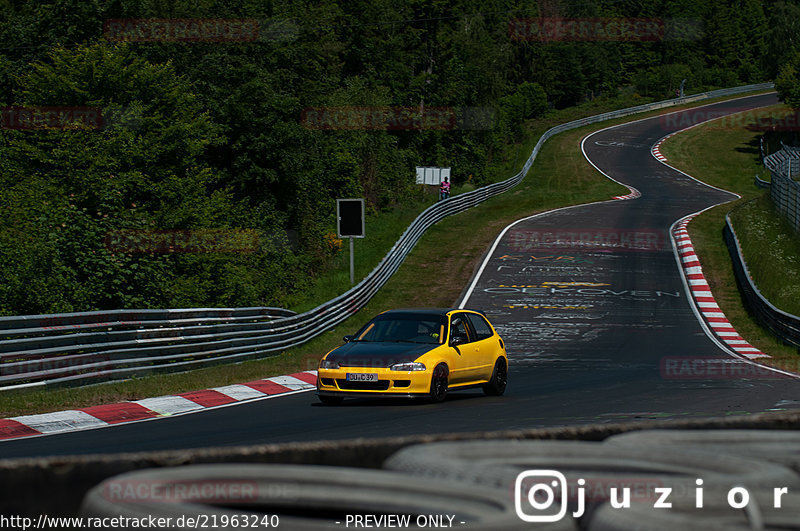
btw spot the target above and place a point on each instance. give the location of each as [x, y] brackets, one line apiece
[788, 82]
[783, 37]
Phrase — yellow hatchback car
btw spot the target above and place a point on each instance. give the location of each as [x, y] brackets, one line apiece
[416, 353]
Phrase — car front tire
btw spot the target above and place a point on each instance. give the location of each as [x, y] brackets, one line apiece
[439, 382]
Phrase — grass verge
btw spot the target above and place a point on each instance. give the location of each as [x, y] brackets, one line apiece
[770, 245]
[726, 155]
[434, 274]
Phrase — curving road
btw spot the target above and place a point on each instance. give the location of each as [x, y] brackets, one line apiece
[591, 303]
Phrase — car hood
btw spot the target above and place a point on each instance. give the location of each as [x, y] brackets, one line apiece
[377, 354]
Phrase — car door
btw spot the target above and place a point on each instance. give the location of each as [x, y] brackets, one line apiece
[487, 347]
[460, 341]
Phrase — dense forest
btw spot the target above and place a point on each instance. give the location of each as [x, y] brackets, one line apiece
[161, 124]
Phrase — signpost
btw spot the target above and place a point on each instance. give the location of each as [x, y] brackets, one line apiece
[431, 175]
[350, 224]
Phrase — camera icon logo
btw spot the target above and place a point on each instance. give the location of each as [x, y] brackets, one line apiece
[535, 493]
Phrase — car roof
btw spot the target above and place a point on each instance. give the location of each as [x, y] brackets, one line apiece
[431, 311]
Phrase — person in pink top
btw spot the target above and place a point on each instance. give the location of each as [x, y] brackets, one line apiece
[444, 189]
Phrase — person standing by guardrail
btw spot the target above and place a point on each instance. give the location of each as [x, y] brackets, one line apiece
[444, 189]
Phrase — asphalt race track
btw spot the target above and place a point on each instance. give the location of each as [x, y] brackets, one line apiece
[594, 311]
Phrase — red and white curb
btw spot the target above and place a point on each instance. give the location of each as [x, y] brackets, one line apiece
[656, 149]
[704, 299]
[633, 195]
[151, 408]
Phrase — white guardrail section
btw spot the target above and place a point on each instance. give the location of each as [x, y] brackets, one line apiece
[89, 347]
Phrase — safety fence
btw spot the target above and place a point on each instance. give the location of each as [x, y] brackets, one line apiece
[784, 325]
[784, 166]
[89, 347]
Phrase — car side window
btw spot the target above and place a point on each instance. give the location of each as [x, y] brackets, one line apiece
[459, 328]
[481, 327]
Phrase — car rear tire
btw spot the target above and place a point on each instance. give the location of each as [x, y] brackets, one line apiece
[439, 382]
[499, 380]
[330, 400]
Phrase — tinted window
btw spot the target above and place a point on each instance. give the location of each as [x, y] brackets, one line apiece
[411, 328]
[482, 328]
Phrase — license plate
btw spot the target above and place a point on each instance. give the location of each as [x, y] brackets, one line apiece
[361, 377]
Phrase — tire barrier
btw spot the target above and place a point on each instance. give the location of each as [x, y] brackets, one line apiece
[123, 348]
[718, 513]
[777, 446]
[56, 485]
[300, 498]
[784, 325]
[589, 475]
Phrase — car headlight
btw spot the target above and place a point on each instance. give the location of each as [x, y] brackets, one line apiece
[414, 366]
[328, 364]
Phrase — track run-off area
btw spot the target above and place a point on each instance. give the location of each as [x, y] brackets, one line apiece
[593, 305]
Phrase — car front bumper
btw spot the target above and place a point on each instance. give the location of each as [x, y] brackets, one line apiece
[335, 382]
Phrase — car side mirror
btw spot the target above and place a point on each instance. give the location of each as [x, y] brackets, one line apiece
[348, 339]
[457, 340]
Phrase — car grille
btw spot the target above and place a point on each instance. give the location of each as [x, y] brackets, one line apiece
[380, 385]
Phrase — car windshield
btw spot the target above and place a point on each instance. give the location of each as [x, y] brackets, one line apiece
[404, 328]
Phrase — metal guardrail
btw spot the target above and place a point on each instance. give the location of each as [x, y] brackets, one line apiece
[95, 346]
[784, 325]
[784, 165]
